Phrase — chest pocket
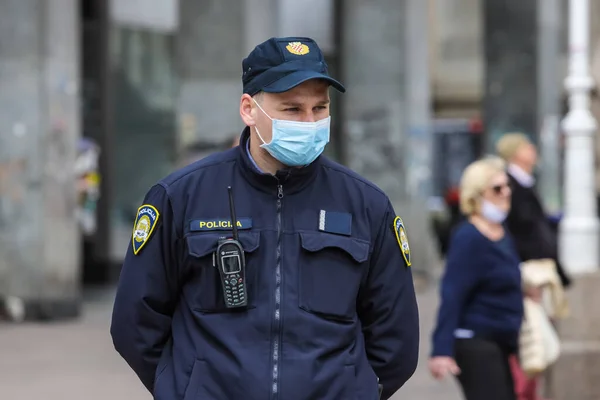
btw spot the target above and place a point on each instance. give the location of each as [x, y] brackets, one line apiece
[331, 268]
[203, 290]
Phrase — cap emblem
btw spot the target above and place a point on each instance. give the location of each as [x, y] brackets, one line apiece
[297, 48]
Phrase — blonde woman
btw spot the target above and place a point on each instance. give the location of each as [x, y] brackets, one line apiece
[481, 299]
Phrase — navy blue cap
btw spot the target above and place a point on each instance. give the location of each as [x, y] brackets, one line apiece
[280, 64]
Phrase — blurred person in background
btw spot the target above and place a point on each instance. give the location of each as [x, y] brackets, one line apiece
[481, 307]
[88, 185]
[295, 330]
[452, 199]
[535, 236]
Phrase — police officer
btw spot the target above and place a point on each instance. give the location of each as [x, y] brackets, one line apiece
[328, 304]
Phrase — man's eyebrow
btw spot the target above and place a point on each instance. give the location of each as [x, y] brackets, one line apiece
[291, 103]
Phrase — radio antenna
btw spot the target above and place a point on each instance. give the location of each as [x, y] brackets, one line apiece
[232, 214]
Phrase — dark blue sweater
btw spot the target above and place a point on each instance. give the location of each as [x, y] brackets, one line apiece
[480, 290]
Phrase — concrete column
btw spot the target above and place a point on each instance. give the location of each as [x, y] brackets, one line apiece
[373, 55]
[580, 227]
[418, 100]
[418, 142]
[261, 20]
[378, 41]
[213, 39]
[595, 72]
[576, 376]
[39, 128]
[510, 100]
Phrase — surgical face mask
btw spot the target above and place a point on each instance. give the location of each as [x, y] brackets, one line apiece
[295, 143]
[492, 212]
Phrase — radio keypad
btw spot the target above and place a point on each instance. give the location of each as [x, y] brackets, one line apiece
[234, 290]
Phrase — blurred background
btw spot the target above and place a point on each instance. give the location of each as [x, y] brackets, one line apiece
[99, 99]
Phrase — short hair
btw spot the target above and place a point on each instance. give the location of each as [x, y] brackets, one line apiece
[510, 143]
[475, 179]
[258, 97]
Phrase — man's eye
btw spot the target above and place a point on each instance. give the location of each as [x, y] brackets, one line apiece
[320, 108]
[292, 109]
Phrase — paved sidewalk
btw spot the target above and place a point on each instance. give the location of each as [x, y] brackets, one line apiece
[76, 361]
[422, 386]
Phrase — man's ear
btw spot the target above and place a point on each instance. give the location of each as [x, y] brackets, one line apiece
[247, 110]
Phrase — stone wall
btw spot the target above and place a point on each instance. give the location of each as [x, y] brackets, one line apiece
[39, 129]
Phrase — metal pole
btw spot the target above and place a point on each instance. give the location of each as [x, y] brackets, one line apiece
[579, 228]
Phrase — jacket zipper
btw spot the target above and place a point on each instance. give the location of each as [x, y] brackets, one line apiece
[277, 314]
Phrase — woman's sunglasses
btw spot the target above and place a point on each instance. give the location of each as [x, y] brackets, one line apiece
[498, 189]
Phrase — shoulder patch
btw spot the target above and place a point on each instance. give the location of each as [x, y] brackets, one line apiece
[402, 239]
[145, 222]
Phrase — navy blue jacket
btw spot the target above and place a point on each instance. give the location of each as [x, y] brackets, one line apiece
[331, 302]
[480, 291]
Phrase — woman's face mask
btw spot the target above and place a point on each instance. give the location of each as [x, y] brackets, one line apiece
[492, 212]
[495, 202]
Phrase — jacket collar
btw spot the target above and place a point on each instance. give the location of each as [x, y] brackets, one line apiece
[523, 178]
[292, 179]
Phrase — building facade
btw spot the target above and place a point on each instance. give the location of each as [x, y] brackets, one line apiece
[148, 81]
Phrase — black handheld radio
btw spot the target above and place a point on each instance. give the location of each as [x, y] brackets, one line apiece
[232, 265]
